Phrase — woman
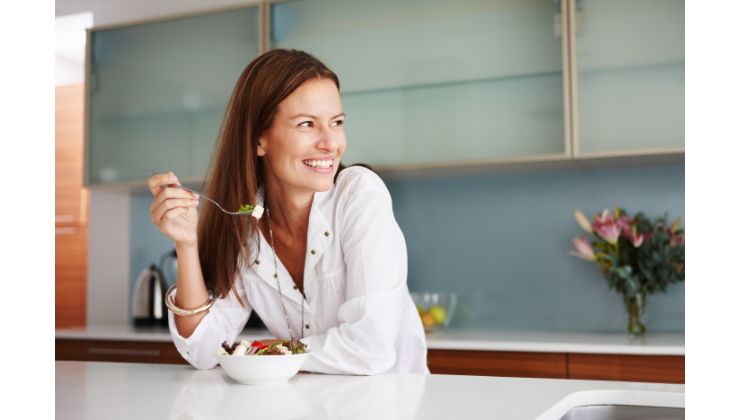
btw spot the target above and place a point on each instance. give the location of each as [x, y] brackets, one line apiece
[326, 262]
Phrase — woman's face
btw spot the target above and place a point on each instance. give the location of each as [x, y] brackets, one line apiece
[303, 146]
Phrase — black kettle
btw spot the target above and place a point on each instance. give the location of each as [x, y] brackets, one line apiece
[147, 304]
[148, 308]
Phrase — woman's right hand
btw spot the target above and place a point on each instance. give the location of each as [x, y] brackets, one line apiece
[174, 210]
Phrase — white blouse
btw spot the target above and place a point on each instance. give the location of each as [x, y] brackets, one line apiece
[359, 317]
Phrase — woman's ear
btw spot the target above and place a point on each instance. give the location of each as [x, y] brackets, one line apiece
[260, 146]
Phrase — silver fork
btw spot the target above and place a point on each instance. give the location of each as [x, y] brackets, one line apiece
[233, 213]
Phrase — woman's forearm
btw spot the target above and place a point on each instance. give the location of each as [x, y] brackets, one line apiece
[191, 289]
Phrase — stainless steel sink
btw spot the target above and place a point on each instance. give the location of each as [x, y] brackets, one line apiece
[623, 412]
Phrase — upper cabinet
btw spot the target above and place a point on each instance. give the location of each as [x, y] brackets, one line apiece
[157, 93]
[429, 82]
[424, 83]
[629, 83]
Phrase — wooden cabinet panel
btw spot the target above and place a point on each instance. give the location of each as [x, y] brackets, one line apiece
[71, 276]
[71, 209]
[71, 197]
[495, 363]
[617, 367]
[118, 351]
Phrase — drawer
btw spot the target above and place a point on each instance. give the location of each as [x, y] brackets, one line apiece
[621, 367]
[117, 351]
[497, 363]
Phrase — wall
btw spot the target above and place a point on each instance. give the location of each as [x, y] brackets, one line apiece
[502, 242]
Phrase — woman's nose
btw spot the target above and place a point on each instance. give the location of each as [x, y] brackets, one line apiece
[328, 139]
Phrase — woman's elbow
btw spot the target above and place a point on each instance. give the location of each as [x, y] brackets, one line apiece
[377, 363]
[202, 364]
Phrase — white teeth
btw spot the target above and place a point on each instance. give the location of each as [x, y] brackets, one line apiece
[319, 163]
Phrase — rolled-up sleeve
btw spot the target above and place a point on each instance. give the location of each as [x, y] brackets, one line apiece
[364, 343]
[224, 321]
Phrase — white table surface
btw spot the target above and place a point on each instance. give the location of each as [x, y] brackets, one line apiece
[101, 390]
[453, 339]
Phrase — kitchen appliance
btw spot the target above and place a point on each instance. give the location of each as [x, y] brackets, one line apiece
[147, 303]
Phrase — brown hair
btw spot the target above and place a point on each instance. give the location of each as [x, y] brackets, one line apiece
[236, 173]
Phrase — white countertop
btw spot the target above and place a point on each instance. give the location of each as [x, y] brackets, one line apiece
[95, 390]
[453, 339]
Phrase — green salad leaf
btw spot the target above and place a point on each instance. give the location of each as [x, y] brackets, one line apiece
[295, 347]
[245, 208]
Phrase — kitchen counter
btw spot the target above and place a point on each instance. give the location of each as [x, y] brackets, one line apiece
[452, 339]
[94, 390]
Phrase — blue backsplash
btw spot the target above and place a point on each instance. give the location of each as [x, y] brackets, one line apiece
[502, 242]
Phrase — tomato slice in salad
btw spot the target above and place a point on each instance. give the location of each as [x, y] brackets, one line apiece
[258, 345]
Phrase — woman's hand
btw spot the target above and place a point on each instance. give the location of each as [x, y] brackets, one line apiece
[174, 210]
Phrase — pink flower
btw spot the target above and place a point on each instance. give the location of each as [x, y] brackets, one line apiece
[606, 227]
[629, 230]
[582, 221]
[676, 239]
[583, 249]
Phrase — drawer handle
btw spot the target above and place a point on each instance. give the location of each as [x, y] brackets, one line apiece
[62, 218]
[124, 352]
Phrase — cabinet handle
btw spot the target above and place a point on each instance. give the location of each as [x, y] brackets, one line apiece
[65, 230]
[124, 352]
[63, 218]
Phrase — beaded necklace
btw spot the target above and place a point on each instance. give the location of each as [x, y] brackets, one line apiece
[280, 291]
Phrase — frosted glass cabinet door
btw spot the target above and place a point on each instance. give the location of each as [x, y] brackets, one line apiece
[630, 81]
[430, 81]
[159, 90]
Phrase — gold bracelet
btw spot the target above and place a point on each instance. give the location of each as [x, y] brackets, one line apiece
[169, 300]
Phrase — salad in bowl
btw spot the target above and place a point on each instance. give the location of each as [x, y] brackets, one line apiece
[259, 363]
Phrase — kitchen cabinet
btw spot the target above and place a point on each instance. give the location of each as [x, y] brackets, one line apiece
[614, 367]
[499, 363]
[428, 83]
[638, 368]
[158, 91]
[627, 367]
[70, 292]
[71, 204]
[628, 89]
[118, 351]
[70, 196]
[425, 84]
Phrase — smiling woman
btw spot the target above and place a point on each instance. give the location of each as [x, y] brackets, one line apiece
[327, 263]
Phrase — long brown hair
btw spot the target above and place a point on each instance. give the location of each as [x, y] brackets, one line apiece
[236, 173]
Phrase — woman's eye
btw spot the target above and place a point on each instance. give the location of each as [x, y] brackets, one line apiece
[307, 124]
[339, 122]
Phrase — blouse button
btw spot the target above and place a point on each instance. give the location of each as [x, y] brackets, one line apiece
[307, 327]
[313, 252]
[295, 287]
[326, 233]
[257, 262]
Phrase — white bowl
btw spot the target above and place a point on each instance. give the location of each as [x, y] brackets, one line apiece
[263, 369]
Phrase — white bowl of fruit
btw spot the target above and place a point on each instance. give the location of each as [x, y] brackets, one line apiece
[435, 309]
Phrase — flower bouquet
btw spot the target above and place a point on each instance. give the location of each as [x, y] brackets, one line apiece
[637, 256]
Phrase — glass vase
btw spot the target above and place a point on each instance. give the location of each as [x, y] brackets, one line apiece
[635, 306]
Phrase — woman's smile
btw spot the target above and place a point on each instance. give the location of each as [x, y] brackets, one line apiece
[320, 165]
